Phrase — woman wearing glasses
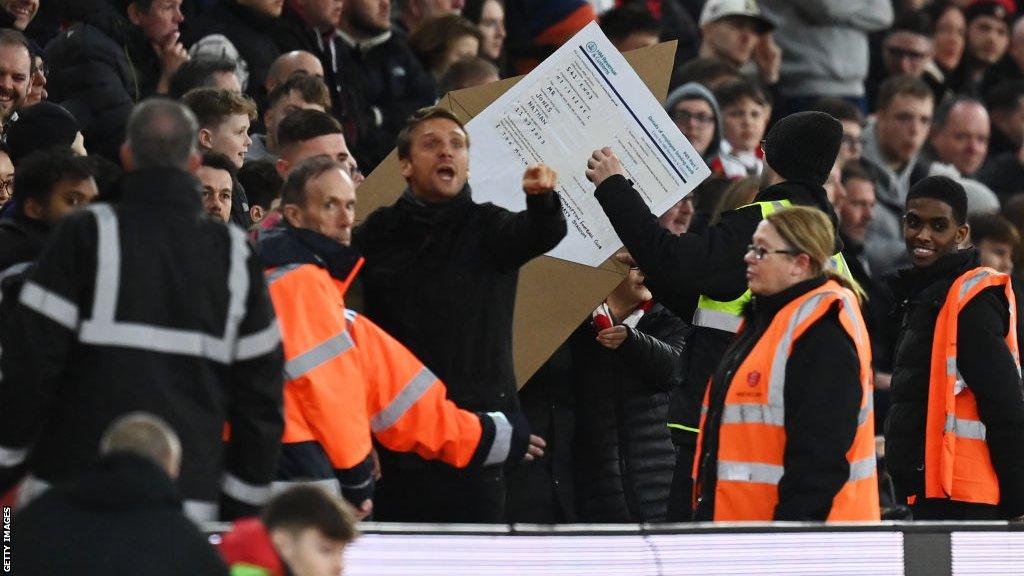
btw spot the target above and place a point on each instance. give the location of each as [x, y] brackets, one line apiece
[788, 430]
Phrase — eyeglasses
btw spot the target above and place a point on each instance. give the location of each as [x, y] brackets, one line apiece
[760, 251]
[684, 116]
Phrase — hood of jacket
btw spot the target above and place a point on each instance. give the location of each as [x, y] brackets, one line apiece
[692, 91]
[287, 245]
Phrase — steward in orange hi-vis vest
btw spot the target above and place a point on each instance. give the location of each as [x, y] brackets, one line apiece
[347, 379]
[781, 437]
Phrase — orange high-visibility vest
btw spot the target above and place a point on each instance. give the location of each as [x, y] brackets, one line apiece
[346, 377]
[752, 435]
[957, 464]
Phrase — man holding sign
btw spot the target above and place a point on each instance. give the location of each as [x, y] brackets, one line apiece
[800, 151]
[440, 276]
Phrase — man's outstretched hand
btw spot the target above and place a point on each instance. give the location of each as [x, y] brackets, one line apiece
[539, 179]
[602, 164]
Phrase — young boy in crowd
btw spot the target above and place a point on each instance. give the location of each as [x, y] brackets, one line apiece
[745, 113]
[302, 532]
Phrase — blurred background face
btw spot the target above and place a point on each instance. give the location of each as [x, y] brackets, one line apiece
[997, 255]
[677, 219]
[367, 16]
[161, 22]
[851, 147]
[308, 553]
[963, 140]
[987, 39]
[903, 126]
[22, 10]
[271, 8]
[492, 26]
[907, 53]
[322, 14]
[216, 192]
[732, 39]
[6, 177]
[855, 210]
[950, 32]
[460, 48]
[68, 195]
[696, 120]
[743, 124]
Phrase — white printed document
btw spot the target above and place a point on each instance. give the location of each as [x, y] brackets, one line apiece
[582, 97]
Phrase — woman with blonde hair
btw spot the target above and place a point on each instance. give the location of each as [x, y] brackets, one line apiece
[788, 431]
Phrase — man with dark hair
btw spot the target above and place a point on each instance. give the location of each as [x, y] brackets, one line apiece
[103, 310]
[217, 176]
[746, 110]
[238, 29]
[300, 92]
[1005, 105]
[987, 39]
[101, 67]
[262, 185]
[701, 275]
[127, 496]
[48, 185]
[892, 146]
[393, 82]
[709, 72]
[204, 72]
[302, 532]
[460, 327]
[17, 68]
[907, 49]
[630, 27]
[307, 133]
[955, 435]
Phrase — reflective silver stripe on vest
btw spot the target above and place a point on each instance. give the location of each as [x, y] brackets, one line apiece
[31, 488]
[716, 319]
[776, 384]
[252, 494]
[502, 443]
[973, 281]
[753, 414]
[50, 304]
[749, 472]
[102, 328]
[863, 468]
[258, 343]
[963, 428]
[11, 457]
[403, 401]
[317, 355]
[200, 511]
[329, 484]
[279, 272]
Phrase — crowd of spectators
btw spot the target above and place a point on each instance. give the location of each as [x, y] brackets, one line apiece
[270, 112]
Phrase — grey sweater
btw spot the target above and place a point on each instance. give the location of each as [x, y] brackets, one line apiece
[825, 43]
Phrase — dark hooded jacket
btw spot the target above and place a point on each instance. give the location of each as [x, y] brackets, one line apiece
[122, 515]
[986, 366]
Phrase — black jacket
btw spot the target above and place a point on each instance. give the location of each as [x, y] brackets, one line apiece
[624, 451]
[442, 280]
[248, 30]
[99, 70]
[345, 86]
[121, 515]
[1004, 174]
[822, 396]
[21, 240]
[146, 305]
[393, 84]
[678, 269]
[983, 360]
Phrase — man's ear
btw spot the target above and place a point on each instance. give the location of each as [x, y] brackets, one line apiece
[292, 215]
[284, 544]
[405, 167]
[127, 159]
[962, 234]
[33, 209]
[194, 162]
[134, 14]
[283, 166]
[205, 139]
[257, 213]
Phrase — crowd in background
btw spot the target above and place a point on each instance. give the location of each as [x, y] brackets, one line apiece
[266, 89]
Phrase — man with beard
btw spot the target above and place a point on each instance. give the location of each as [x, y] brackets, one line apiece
[16, 70]
[393, 82]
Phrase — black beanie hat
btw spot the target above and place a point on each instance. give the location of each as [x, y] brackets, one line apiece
[39, 127]
[804, 146]
[944, 189]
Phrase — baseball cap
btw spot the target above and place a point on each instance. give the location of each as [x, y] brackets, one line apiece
[715, 10]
